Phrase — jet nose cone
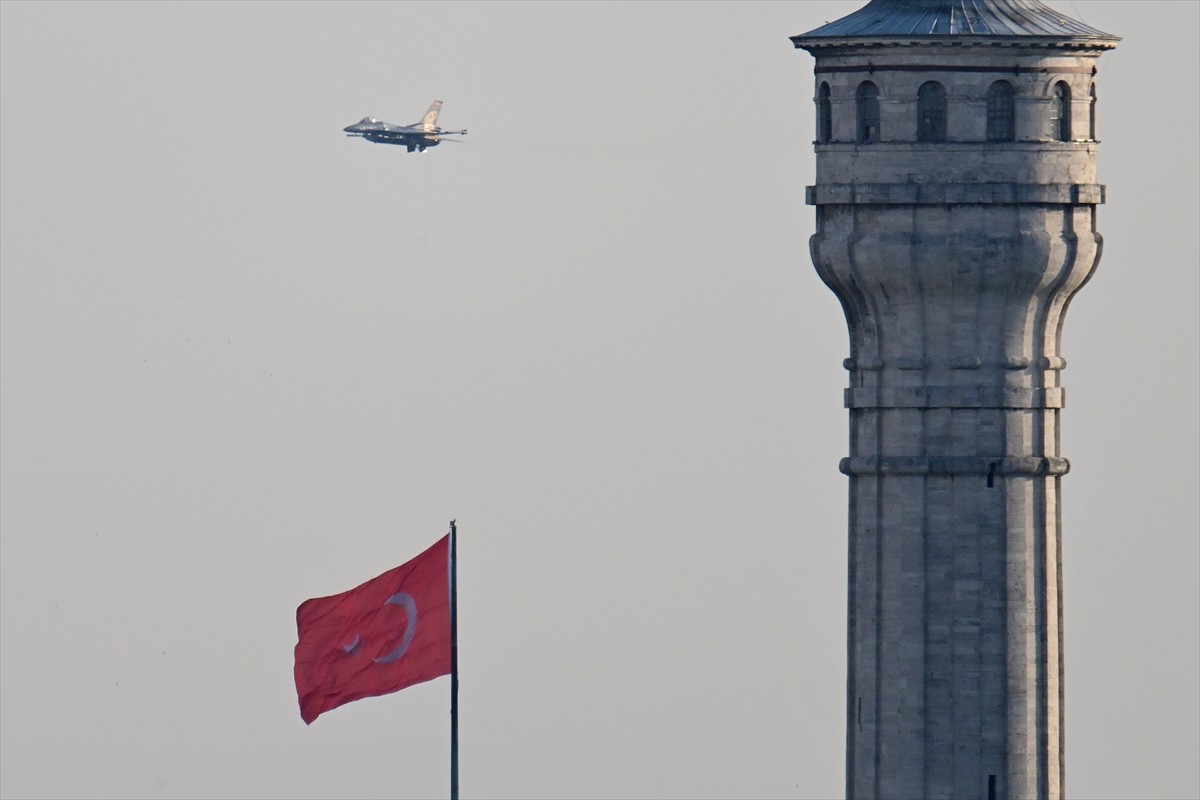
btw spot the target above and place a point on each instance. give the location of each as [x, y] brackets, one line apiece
[350, 128]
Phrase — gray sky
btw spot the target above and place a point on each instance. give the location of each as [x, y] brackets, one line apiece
[247, 361]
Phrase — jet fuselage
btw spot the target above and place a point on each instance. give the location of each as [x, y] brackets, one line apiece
[418, 136]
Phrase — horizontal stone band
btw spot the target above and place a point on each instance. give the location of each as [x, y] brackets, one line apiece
[1028, 466]
[966, 361]
[1013, 70]
[954, 397]
[953, 193]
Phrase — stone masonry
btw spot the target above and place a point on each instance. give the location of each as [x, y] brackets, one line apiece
[954, 260]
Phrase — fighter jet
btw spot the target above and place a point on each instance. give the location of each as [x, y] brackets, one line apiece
[419, 136]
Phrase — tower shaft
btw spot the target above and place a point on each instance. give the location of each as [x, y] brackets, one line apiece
[955, 602]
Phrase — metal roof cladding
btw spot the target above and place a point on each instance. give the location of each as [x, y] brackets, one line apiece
[920, 18]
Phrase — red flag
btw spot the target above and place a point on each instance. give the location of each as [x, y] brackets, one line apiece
[378, 638]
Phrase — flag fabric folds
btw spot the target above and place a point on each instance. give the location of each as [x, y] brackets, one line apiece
[389, 633]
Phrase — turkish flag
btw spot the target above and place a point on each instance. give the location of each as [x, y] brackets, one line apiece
[378, 638]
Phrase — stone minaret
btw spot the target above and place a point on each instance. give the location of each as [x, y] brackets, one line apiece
[956, 202]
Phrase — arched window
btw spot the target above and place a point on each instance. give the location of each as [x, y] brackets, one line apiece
[824, 115]
[1060, 114]
[1001, 114]
[1092, 113]
[867, 100]
[931, 112]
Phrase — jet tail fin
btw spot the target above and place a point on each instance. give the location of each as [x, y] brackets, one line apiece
[429, 121]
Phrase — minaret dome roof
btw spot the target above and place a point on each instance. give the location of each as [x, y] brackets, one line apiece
[939, 20]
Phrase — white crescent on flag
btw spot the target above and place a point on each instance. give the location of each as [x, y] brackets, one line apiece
[405, 601]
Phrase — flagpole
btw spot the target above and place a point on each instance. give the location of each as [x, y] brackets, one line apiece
[453, 666]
